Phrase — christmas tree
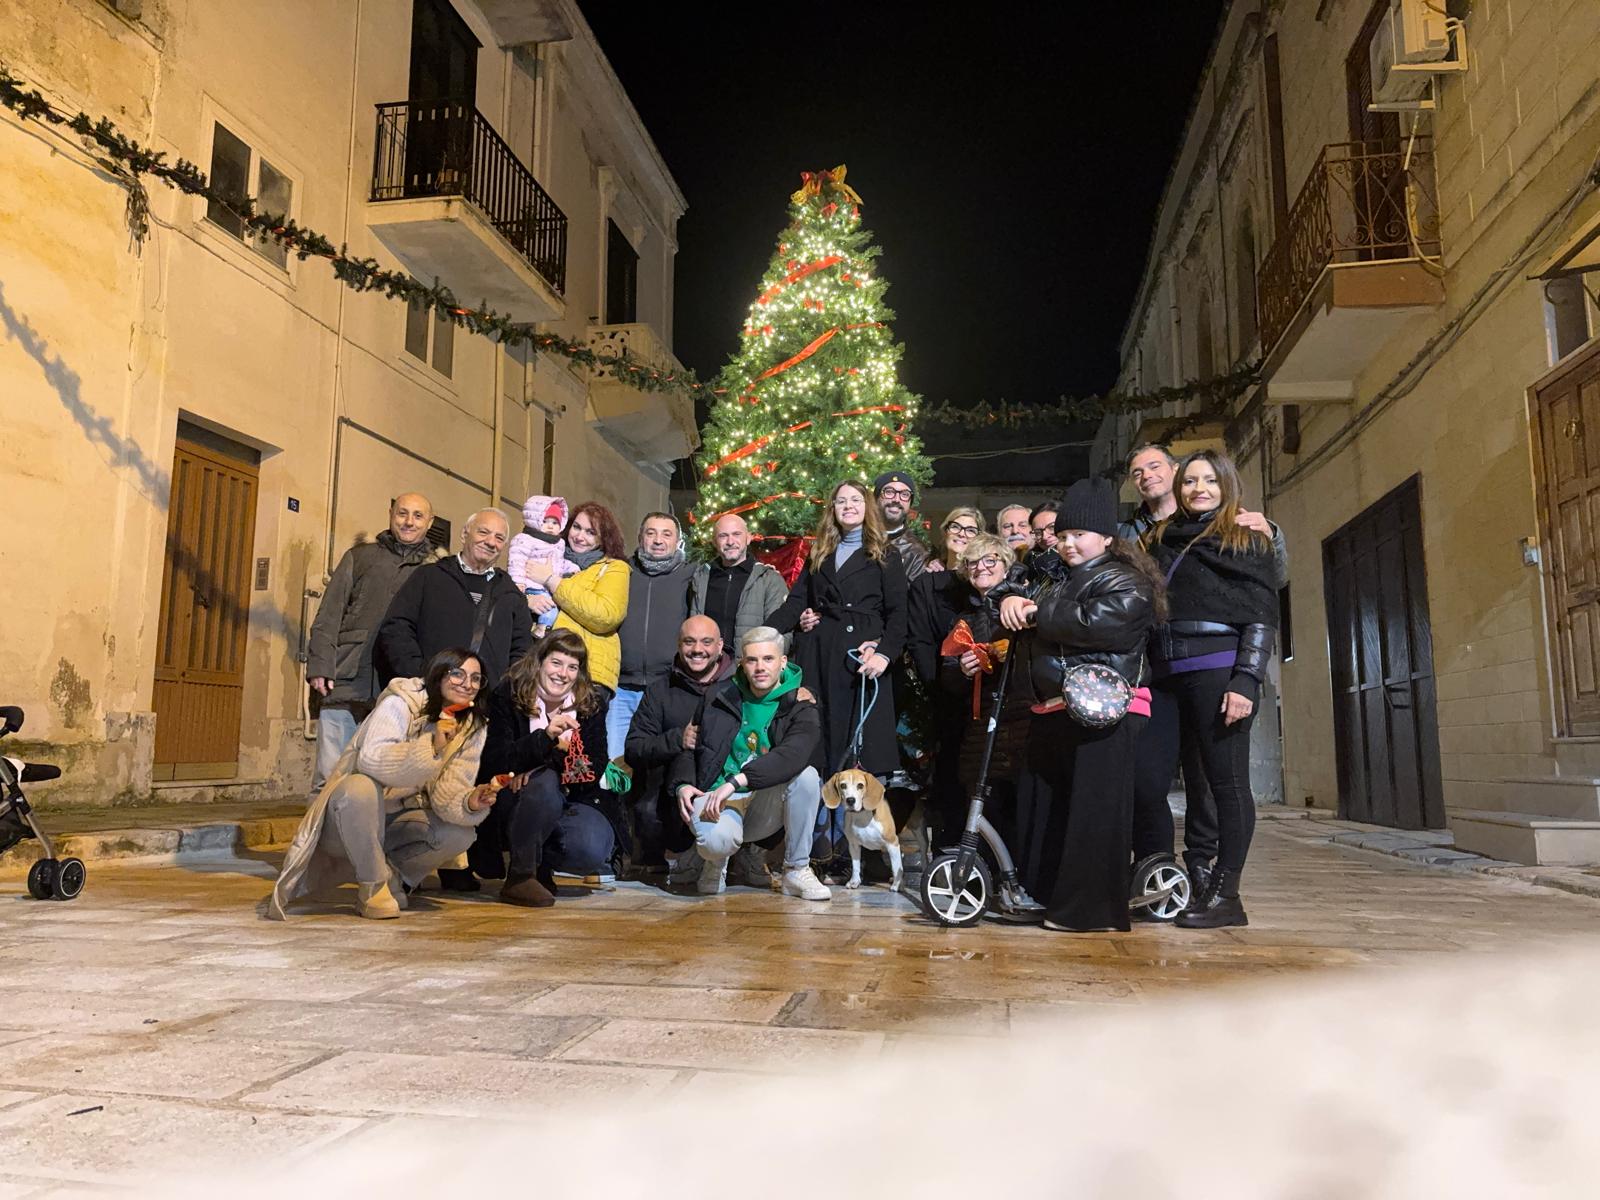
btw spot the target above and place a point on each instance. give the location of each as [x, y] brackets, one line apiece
[812, 395]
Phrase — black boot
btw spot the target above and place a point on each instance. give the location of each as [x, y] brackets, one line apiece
[451, 880]
[1219, 905]
[1199, 871]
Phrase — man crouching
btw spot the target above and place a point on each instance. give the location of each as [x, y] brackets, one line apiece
[749, 773]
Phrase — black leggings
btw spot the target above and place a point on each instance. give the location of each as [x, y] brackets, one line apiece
[1190, 705]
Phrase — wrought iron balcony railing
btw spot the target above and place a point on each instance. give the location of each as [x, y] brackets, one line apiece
[1363, 202]
[448, 148]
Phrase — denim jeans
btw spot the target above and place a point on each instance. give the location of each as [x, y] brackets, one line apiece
[545, 829]
[336, 725]
[751, 816]
[413, 840]
[618, 717]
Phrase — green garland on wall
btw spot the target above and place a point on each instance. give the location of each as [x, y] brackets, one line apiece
[134, 161]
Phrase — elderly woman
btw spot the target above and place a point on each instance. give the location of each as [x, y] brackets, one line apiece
[595, 600]
[547, 722]
[400, 802]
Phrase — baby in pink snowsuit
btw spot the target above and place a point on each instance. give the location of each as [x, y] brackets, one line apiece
[544, 517]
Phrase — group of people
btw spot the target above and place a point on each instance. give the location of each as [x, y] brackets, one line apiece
[586, 711]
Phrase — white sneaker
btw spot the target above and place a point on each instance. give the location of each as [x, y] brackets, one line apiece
[374, 902]
[803, 882]
[713, 878]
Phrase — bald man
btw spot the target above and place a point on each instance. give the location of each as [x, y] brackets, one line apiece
[660, 729]
[735, 591]
[339, 655]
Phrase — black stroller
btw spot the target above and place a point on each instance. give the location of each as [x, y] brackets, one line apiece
[959, 886]
[48, 879]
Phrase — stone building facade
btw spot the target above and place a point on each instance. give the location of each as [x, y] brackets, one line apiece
[1413, 279]
[198, 426]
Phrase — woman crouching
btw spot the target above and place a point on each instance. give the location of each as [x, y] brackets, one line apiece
[1075, 788]
[400, 802]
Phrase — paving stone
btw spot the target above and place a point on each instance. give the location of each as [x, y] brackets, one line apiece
[148, 1064]
[62, 1011]
[665, 1003]
[878, 1010]
[134, 1140]
[397, 1028]
[706, 1044]
[460, 1085]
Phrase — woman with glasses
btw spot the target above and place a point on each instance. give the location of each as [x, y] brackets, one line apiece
[401, 801]
[849, 605]
[547, 730]
[959, 528]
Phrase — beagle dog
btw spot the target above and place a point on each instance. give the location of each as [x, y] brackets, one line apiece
[869, 821]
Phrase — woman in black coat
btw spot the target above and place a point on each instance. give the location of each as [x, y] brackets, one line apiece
[851, 596]
[547, 730]
[1209, 660]
[1075, 789]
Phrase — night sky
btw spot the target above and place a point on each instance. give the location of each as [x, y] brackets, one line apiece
[1010, 165]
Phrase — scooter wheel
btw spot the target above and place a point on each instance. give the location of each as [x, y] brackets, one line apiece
[69, 879]
[42, 879]
[1160, 888]
[943, 903]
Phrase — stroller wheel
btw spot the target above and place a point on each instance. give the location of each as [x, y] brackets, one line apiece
[69, 879]
[42, 879]
[1160, 888]
[943, 903]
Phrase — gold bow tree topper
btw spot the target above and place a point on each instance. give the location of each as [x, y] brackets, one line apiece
[815, 184]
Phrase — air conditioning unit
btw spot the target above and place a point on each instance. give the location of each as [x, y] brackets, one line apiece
[1412, 44]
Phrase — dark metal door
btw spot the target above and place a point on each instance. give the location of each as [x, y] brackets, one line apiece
[1568, 409]
[1381, 662]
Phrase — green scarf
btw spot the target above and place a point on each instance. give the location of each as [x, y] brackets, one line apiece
[755, 715]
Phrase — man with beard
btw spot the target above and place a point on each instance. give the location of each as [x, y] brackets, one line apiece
[896, 493]
[339, 653]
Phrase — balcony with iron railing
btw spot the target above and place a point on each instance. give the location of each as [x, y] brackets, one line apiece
[1358, 256]
[453, 202]
[644, 425]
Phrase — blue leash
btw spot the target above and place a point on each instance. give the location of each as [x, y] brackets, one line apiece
[864, 707]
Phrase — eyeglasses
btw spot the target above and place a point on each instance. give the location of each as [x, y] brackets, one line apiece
[962, 530]
[896, 493]
[459, 675]
[989, 562]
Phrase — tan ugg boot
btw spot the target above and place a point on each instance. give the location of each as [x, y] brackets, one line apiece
[375, 902]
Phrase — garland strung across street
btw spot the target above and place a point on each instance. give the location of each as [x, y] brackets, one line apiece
[1213, 394]
[132, 161]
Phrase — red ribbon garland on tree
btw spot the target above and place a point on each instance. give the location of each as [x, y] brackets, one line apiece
[817, 344]
[796, 275]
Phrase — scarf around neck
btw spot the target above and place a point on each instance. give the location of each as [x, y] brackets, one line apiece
[658, 566]
[584, 559]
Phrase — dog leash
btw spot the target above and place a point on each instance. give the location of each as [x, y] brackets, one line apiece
[864, 708]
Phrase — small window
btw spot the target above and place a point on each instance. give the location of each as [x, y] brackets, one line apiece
[439, 533]
[1285, 625]
[425, 328]
[549, 456]
[1568, 319]
[239, 173]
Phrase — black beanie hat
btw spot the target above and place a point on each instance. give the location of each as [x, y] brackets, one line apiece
[1089, 504]
[888, 477]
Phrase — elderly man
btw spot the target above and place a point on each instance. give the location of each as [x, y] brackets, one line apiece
[897, 492]
[749, 771]
[462, 600]
[1011, 523]
[658, 600]
[661, 730]
[736, 592]
[339, 655]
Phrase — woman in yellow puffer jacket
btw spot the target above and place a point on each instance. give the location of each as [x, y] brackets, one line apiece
[595, 600]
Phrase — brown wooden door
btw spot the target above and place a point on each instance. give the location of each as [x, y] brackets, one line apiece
[1381, 662]
[1569, 492]
[205, 599]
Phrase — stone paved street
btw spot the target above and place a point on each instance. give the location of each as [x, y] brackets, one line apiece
[194, 1031]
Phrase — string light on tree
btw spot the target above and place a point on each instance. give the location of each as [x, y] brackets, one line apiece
[812, 394]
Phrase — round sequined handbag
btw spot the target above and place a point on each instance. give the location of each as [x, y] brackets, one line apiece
[1095, 695]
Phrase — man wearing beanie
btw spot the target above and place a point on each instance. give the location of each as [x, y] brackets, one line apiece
[896, 493]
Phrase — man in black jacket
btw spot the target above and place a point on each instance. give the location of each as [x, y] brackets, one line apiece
[749, 772]
[339, 653]
[462, 600]
[661, 730]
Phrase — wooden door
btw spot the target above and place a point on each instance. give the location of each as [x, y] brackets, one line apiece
[442, 95]
[205, 602]
[1568, 414]
[1372, 171]
[1381, 662]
